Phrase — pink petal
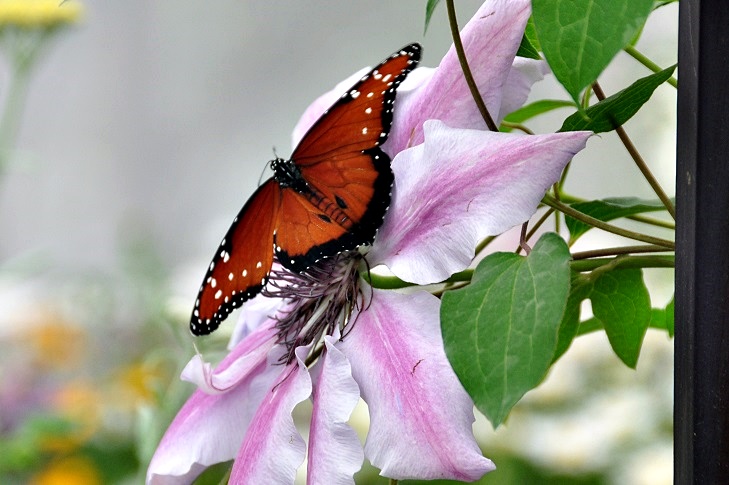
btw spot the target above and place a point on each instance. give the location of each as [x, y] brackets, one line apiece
[240, 363]
[253, 314]
[421, 417]
[459, 187]
[273, 449]
[490, 39]
[335, 453]
[523, 74]
[210, 428]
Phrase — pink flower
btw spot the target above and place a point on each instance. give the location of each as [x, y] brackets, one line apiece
[455, 183]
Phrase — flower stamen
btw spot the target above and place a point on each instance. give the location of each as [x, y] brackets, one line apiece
[321, 300]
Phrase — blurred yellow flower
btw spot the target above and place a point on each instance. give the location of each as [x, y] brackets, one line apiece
[81, 405]
[73, 469]
[136, 384]
[56, 343]
[44, 14]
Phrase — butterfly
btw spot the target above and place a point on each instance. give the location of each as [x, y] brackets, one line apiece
[329, 197]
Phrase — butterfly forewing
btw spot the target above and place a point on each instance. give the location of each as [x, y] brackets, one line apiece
[361, 118]
[330, 197]
[341, 160]
[240, 267]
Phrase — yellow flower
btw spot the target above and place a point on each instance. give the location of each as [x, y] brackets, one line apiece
[74, 469]
[56, 343]
[38, 14]
[136, 384]
[80, 404]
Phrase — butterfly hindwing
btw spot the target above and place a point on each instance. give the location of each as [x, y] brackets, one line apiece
[239, 270]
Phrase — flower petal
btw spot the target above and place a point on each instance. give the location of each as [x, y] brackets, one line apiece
[335, 453]
[490, 40]
[241, 362]
[459, 187]
[273, 449]
[420, 415]
[253, 314]
[523, 74]
[210, 428]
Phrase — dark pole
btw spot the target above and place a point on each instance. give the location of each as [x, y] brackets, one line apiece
[701, 413]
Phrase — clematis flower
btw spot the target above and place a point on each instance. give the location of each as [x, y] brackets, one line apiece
[455, 183]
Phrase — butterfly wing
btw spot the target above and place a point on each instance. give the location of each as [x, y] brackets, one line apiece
[240, 268]
[347, 172]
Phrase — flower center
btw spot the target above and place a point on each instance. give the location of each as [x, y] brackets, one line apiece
[321, 299]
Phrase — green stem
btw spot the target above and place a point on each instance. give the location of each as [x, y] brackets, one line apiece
[594, 253]
[579, 265]
[625, 262]
[467, 70]
[640, 57]
[12, 111]
[653, 222]
[536, 227]
[571, 199]
[482, 245]
[552, 202]
[517, 126]
[640, 163]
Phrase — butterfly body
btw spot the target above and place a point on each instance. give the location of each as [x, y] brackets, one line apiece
[329, 197]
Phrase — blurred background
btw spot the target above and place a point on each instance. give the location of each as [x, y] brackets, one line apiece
[145, 127]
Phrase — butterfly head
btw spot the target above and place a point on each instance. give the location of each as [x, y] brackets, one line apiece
[288, 175]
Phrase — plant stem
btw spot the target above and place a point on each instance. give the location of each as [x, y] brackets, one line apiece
[482, 245]
[536, 227]
[626, 262]
[467, 70]
[517, 126]
[642, 166]
[12, 111]
[651, 248]
[640, 57]
[552, 202]
[579, 265]
[653, 222]
[571, 199]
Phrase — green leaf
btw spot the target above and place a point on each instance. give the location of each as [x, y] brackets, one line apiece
[670, 317]
[500, 332]
[534, 109]
[663, 318]
[429, 9]
[620, 300]
[614, 111]
[531, 34]
[580, 289]
[527, 49]
[607, 210]
[579, 39]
